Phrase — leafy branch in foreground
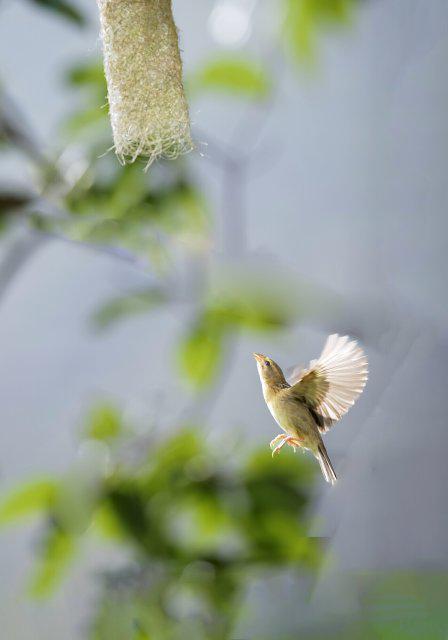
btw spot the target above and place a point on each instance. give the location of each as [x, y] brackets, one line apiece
[196, 527]
[64, 9]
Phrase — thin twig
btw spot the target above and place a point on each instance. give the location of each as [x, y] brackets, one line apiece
[17, 255]
[117, 253]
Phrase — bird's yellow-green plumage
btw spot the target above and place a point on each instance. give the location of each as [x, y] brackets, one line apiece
[315, 398]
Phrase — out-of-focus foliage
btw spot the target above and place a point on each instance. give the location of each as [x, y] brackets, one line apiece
[201, 350]
[196, 523]
[305, 19]
[239, 302]
[104, 423]
[93, 117]
[89, 75]
[28, 500]
[128, 305]
[56, 554]
[119, 206]
[123, 207]
[63, 8]
[235, 75]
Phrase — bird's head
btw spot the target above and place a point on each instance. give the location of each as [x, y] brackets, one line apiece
[271, 375]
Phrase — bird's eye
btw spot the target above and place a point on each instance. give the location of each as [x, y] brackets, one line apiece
[267, 363]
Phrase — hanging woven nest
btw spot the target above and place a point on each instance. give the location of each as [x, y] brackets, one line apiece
[147, 104]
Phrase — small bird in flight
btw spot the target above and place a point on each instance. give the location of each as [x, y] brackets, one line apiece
[313, 399]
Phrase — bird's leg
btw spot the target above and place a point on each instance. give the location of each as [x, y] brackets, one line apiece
[273, 442]
[285, 440]
[295, 443]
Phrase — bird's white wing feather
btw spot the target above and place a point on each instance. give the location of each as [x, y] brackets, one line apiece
[294, 374]
[332, 383]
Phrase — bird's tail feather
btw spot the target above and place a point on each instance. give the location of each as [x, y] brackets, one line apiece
[325, 464]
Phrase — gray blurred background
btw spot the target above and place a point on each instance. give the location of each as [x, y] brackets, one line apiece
[353, 199]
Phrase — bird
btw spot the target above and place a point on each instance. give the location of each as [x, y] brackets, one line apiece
[312, 400]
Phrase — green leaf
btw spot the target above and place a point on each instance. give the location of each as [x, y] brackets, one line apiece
[255, 302]
[252, 314]
[57, 553]
[104, 423]
[106, 524]
[200, 352]
[140, 633]
[92, 118]
[182, 212]
[86, 120]
[305, 18]
[233, 75]
[64, 9]
[89, 74]
[29, 499]
[126, 306]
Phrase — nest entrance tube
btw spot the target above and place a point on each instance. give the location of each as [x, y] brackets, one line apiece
[147, 104]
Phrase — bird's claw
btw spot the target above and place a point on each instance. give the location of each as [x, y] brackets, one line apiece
[276, 448]
[274, 442]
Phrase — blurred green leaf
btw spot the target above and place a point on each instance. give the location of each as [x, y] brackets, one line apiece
[85, 120]
[200, 352]
[174, 456]
[233, 75]
[133, 616]
[130, 509]
[57, 553]
[250, 313]
[295, 470]
[104, 423]
[64, 9]
[239, 301]
[140, 633]
[77, 499]
[305, 18]
[183, 213]
[106, 524]
[88, 74]
[92, 118]
[29, 499]
[253, 301]
[127, 306]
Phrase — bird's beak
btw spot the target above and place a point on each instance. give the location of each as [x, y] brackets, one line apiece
[258, 357]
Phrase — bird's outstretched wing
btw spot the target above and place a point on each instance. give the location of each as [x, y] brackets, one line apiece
[331, 384]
